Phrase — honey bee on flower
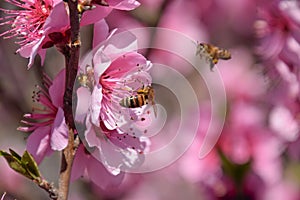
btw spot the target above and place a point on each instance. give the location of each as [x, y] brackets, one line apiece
[212, 53]
[143, 96]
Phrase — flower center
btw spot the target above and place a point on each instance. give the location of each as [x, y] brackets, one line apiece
[27, 22]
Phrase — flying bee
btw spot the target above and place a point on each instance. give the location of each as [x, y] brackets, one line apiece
[144, 96]
[212, 53]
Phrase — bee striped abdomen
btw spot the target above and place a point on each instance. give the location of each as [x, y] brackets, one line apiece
[134, 101]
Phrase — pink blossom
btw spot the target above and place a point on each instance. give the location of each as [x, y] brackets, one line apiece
[277, 23]
[282, 190]
[33, 23]
[47, 122]
[116, 132]
[277, 29]
[283, 123]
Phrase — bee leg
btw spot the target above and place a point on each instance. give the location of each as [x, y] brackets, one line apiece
[213, 63]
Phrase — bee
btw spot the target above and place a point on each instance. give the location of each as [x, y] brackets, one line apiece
[144, 96]
[212, 53]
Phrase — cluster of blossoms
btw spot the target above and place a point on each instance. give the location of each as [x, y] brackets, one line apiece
[278, 31]
[40, 24]
[112, 133]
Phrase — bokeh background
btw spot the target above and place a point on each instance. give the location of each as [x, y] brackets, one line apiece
[257, 155]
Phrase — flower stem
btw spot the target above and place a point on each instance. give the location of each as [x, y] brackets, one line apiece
[72, 60]
[48, 187]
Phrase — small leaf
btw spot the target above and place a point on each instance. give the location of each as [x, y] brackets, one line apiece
[30, 165]
[14, 154]
[234, 170]
[15, 163]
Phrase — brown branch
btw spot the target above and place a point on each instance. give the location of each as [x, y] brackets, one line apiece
[72, 60]
[48, 187]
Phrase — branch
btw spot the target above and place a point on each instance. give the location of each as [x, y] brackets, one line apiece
[48, 187]
[72, 60]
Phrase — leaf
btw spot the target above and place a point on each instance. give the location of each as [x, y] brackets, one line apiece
[30, 165]
[13, 153]
[15, 163]
[24, 165]
[234, 170]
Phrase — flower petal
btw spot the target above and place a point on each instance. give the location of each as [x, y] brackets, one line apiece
[56, 90]
[95, 15]
[30, 50]
[91, 134]
[38, 143]
[59, 133]
[96, 105]
[284, 124]
[101, 177]
[58, 19]
[101, 30]
[123, 4]
[83, 103]
[120, 43]
[79, 164]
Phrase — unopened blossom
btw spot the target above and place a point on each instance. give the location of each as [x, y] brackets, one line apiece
[33, 23]
[47, 122]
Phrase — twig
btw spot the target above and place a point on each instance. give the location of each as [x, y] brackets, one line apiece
[49, 187]
[72, 60]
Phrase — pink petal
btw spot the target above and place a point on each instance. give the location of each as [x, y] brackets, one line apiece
[59, 136]
[115, 158]
[127, 141]
[30, 50]
[128, 62]
[272, 44]
[123, 4]
[83, 103]
[101, 177]
[101, 30]
[56, 90]
[141, 124]
[95, 15]
[284, 124]
[42, 54]
[108, 119]
[96, 105]
[91, 133]
[101, 61]
[38, 143]
[120, 43]
[79, 164]
[58, 19]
